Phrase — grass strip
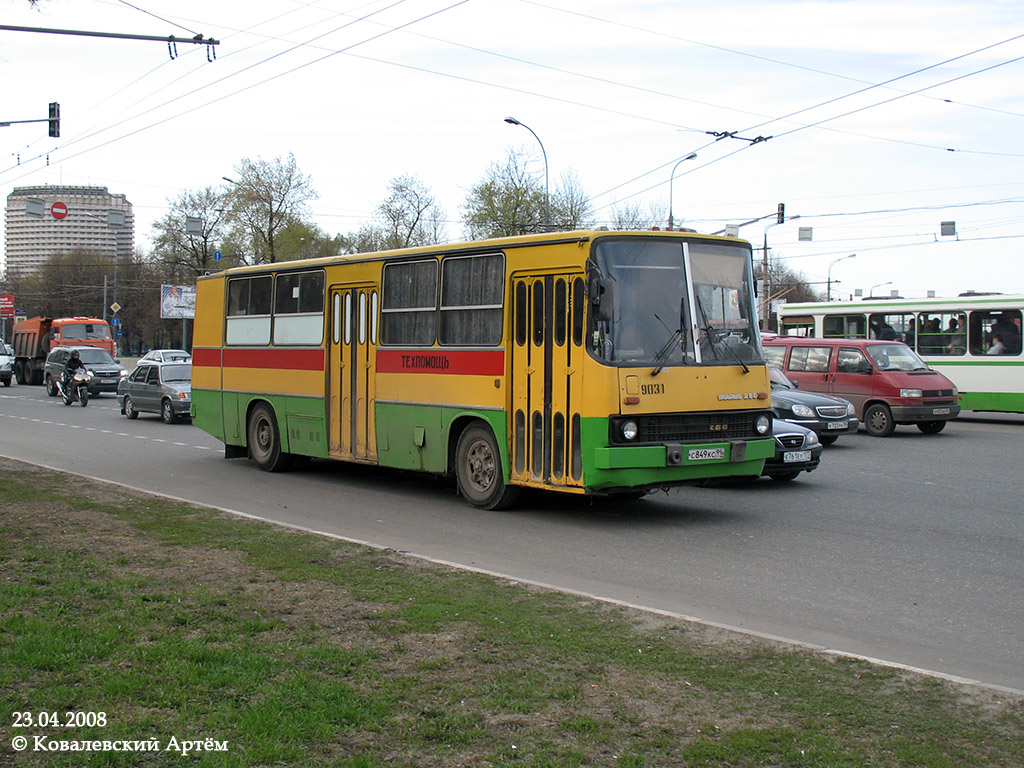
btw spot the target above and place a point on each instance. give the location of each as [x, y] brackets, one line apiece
[185, 624]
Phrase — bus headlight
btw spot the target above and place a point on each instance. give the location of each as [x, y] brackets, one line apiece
[911, 393]
[763, 424]
[629, 430]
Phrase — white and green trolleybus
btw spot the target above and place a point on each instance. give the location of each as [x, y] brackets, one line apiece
[974, 339]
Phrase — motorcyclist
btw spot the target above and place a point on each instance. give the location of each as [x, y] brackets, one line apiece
[73, 364]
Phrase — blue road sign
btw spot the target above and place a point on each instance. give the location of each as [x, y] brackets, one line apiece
[217, 255]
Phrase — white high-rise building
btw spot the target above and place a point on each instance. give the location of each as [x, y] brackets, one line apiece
[46, 221]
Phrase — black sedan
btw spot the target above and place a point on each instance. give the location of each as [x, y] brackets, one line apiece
[828, 416]
[797, 449]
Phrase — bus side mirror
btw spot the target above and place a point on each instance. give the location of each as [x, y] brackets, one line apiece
[602, 298]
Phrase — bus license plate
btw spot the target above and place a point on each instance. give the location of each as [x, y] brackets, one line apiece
[837, 425]
[706, 454]
[792, 457]
[940, 411]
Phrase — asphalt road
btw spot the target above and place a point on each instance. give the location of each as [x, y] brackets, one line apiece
[908, 549]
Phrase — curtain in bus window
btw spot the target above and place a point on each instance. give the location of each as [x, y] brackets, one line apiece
[409, 303]
[248, 320]
[299, 308]
[471, 300]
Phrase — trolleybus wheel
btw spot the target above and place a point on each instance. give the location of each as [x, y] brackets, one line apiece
[265, 441]
[479, 472]
[878, 420]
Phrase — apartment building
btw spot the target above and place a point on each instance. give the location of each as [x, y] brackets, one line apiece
[45, 221]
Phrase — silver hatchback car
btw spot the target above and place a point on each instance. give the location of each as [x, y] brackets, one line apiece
[164, 388]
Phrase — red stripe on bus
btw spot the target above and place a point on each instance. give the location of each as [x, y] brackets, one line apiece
[469, 361]
[271, 358]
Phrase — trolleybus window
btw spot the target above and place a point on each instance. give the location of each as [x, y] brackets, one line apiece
[248, 320]
[471, 300]
[299, 308]
[409, 309]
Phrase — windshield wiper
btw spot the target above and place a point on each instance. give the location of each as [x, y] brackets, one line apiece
[712, 336]
[663, 353]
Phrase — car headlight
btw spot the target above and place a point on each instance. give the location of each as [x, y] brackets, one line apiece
[629, 430]
[850, 410]
[763, 424]
[911, 393]
[955, 391]
[124, 373]
[803, 411]
[812, 440]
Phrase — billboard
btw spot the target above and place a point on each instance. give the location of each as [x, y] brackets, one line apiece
[177, 301]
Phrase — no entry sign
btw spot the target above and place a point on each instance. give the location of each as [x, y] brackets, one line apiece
[59, 210]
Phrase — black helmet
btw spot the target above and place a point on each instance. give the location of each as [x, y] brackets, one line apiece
[75, 353]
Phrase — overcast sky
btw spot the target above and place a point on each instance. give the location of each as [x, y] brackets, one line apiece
[881, 119]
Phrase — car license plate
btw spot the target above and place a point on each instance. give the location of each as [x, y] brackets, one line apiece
[940, 411]
[837, 425]
[793, 457]
[706, 454]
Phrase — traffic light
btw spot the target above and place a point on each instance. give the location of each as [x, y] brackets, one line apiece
[782, 211]
[54, 119]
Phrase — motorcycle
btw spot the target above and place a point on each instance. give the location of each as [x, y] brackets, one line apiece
[75, 389]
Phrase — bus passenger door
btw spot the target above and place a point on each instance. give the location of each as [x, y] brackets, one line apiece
[547, 386]
[350, 381]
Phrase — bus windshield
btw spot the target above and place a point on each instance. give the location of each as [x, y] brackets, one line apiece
[656, 319]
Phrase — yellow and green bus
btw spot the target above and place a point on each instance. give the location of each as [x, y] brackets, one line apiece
[584, 362]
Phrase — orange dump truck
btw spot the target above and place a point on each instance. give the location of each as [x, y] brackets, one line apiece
[34, 338]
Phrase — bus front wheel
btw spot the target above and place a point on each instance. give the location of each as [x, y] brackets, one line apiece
[265, 441]
[479, 471]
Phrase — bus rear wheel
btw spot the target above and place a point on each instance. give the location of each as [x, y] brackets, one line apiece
[265, 441]
[479, 472]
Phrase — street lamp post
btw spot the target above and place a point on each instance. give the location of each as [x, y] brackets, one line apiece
[871, 291]
[841, 258]
[671, 180]
[547, 193]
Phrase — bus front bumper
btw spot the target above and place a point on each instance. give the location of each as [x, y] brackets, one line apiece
[677, 463]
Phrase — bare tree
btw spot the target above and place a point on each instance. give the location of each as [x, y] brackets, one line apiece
[631, 216]
[570, 205]
[265, 198]
[410, 215]
[187, 237]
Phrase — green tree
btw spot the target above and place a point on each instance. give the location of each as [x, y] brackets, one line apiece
[508, 200]
[265, 198]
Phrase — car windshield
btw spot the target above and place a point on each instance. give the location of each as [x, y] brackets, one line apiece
[896, 357]
[96, 357]
[177, 373]
[779, 379]
[661, 316]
